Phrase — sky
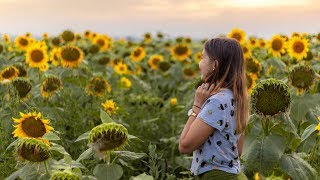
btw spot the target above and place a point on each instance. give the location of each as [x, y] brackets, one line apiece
[194, 18]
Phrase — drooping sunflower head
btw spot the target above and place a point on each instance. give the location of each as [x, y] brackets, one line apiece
[22, 42]
[104, 42]
[270, 97]
[104, 60]
[108, 137]
[22, 70]
[238, 34]
[251, 81]
[188, 72]
[137, 54]
[36, 55]
[164, 66]
[180, 52]
[31, 125]
[98, 86]
[56, 41]
[247, 52]
[309, 56]
[159, 35]
[298, 47]
[154, 61]
[302, 77]
[64, 175]
[121, 68]
[125, 83]
[9, 73]
[110, 107]
[277, 45]
[50, 85]
[71, 56]
[68, 36]
[147, 38]
[22, 87]
[33, 150]
[253, 66]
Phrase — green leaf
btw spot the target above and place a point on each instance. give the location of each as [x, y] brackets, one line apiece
[105, 118]
[263, 154]
[308, 131]
[51, 136]
[297, 168]
[134, 137]
[312, 118]
[85, 155]
[59, 148]
[83, 136]
[142, 176]
[12, 144]
[107, 171]
[129, 155]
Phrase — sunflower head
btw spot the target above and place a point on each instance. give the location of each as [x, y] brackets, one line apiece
[302, 77]
[298, 47]
[125, 83]
[22, 42]
[71, 56]
[36, 55]
[22, 86]
[154, 61]
[68, 36]
[110, 107]
[198, 56]
[137, 54]
[33, 150]
[108, 137]
[173, 101]
[56, 41]
[309, 56]
[188, 72]
[238, 34]
[104, 60]
[251, 81]
[1, 48]
[104, 42]
[64, 175]
[159, 35]
[262, 43]
[87, 34]
[22, 70]
[253, 66]
[318, 37]
[121, 68]
[147, 38]
[253, 42]
[247, 52]
[98, 86]
[277, 45]
[270, 97]
[50, 85]
[181, 52]
[164, 66]
[9, 73]
[31, 125]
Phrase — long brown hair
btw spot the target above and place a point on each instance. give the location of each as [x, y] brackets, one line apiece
[229, 73]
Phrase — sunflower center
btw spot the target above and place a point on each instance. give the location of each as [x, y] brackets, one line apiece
[155, 60]
[36, 56]
[23, 42]
[121, 68]
[253, 42]
[52, 84]
[298, 47]
[181, 50]
[9, 73]
[70, 54]
[245, 50]
[188, 72]
[101, 42]
[276, 44]
[236, 36]
[33, 127]
[137, 52]
[99, 86]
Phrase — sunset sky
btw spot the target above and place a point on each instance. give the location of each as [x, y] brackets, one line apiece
[195, 18]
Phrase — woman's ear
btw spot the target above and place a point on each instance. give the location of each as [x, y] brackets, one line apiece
[215, 64]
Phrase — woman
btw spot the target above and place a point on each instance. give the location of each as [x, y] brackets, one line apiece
[215, 128]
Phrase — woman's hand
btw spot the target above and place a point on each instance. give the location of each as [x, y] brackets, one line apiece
[203, 93]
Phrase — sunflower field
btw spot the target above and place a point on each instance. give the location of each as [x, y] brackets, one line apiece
[89, 106]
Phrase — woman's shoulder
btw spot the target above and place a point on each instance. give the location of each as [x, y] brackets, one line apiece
[223, 96]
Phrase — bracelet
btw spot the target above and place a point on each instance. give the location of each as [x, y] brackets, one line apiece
[197, 106]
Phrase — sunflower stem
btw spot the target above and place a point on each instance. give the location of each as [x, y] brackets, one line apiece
[108, 157]
[46, 167]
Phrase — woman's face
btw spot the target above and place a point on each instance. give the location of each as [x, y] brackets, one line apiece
[205, 65]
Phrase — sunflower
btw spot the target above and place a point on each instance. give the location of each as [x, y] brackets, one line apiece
[9, 73]
[318, 37]
[253, 66]
[251, 81]
[33, 150]
[198, 56]
[98, 86]
[31, 125]
[188, 72]
[302, 77]
[180, 52]
[22, 43]
[154, 60]
[238, 34]
[55, 56]
[64, 175]
[36, 55]
[22, 70]
[22, 86]
[87, 34]
[269, 97]
[71, 56]
[147, 38]
[253, 42]
[261, 43]
[298, 47]
[121, 68]
[45, 36]
[104, 42]
[50, 85]
[187, 40]
[6, 39]
[110, 107]
[247, 52]
[125, 83]
[295, 34]
[173, 101]
[1, 48]
[56, 41]
[277, 45]
[164, 66]
[44, 67]
[104, 60]
[137, 54]
[68, 36]
[108, 137]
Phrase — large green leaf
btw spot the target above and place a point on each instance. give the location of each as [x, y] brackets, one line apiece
[107, 171]
[85, 155]
[308, 131]
[83, 136]
[51, 136]
[263, 154]
[105, 118]
[297, 168]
